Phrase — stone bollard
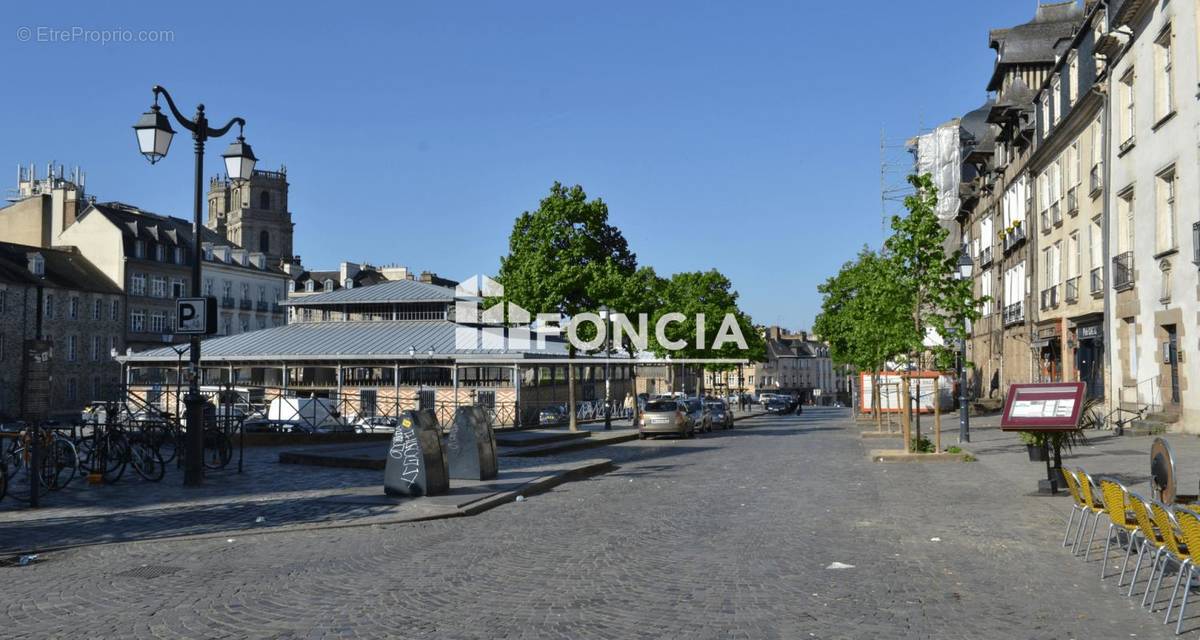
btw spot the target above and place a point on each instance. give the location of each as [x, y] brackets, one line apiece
[416, 462]
[471, 445]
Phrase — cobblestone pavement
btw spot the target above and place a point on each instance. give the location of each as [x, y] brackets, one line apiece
[727, 536]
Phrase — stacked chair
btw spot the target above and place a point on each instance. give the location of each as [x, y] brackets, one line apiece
[1165, 535]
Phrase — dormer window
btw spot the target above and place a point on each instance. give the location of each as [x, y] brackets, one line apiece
[139, 248]
[329, 284]
[308, 286]
[349, 284]
[37, 265]
[160, 253]
[291, 286]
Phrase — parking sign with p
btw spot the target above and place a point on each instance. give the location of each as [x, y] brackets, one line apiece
[197, 316]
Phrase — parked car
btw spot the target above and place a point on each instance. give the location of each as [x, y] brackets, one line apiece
[665, 417]
[552, 416]
[778, 406]
[719, 414]
[697, 412]
[262, 425]
[375, 424]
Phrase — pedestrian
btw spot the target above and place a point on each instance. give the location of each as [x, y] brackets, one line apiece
[995, 387]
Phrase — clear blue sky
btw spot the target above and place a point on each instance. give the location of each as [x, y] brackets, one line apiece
[742, 136]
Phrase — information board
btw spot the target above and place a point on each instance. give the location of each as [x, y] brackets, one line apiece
[1050, 406]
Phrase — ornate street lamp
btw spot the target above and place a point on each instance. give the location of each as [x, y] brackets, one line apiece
[604, 314]
[966, 267]
[154, 135]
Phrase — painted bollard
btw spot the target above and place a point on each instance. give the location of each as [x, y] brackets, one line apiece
[471, 445]
[416, 462]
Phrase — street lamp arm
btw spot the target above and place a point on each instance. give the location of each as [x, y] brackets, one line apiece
[217, 133]
[183, 120]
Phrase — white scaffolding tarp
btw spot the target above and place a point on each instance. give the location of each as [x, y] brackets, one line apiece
[939, 153]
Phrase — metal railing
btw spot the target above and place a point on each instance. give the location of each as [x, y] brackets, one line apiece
[261, 306]
[1013, 238]
[1056, 213]
[1072, 289]
[985, 257]
[1123, 271]
[244, 304]
[1096, 179]
[1014, 313]
[227, 302]
[1050, 297]
[1073, 201]
[1097, 277]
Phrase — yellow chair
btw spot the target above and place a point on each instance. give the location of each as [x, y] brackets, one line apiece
[1171, 550]
[1189, 528]
[1119, 519]
[1149, 537]
[1092, 507]
[1077, 505]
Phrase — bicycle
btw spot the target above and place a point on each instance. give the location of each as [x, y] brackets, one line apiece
[110, 450]
[59, 459]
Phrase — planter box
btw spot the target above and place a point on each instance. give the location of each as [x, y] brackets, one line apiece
[1037, 453]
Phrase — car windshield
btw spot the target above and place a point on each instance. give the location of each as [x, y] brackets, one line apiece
[660, 405]
[716, 406]
[693, 405]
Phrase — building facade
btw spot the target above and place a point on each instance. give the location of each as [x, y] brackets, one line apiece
[253, 214]
[1151, 50]
[82, 316]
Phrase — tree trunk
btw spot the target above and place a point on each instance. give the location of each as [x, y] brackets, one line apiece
[634, 393]
[572, 418]
[699, 382]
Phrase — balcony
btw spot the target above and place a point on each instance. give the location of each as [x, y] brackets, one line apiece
[226, 302]
[275, 308]
[262, 306]
[244, 304]
[1073, 201]
[1072, 290]
[1096, 179]
[985, 257]
[1098, 281]
[1014, 314]
[1014, 238]
[1050, 297]
[1123, 271]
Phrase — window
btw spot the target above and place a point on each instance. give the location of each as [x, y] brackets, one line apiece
[245, 326]
[137, 321]
[308, 286]
[137, 284]
[262, 293]
[1125, 221]
[1073, 78]
[177, 288]
[1073, 161]
[97, 348]
[158, 322]
[73, 308]
[264, 240]
[262, 323]
[328, 286]
[139, 249]
[160, 253]
[72, 348]
[291, 286]
[179, 255]
[1164, 81]
[37, 265]
[264, 201]
[1166, 211]
[72, 389]
[97, 309]
[1073, 255]
[49, 310]
[1127, 108]
[1, 346]
[112, 344]
[208, 285]
[1164, 293]
[1056, 100]
[1095, 244]
[225, 288]
[158, 286]
[3, 301]
[114, 310]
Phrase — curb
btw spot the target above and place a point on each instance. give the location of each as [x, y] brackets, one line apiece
[573, 445]
[538, 485]
[900, 455]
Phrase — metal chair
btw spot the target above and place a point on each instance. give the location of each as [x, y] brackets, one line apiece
[1116, 500]
[1149, 537]
[1088, 490]
[1077, 505]
[1172, 549]
[1189, 528]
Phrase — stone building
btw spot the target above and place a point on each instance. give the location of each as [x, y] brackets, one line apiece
[82, 315]
[1153, 187]
[253, 214]
[1067, 170]
[796, 364]
[997, 201]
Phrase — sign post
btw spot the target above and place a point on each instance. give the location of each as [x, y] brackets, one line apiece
[1046, 408]
[197, 316]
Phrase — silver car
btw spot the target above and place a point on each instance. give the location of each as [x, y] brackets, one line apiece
[665, 417]
[719, 414]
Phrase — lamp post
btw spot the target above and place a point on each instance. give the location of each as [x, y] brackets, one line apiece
[965, 267]
[154, 135]
[604, 313]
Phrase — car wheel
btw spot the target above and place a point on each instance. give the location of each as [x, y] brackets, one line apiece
[641, 436]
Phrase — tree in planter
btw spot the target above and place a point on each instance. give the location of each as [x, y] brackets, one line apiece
[864, 315]
[632, 295]
[561, 258]
[937, 300]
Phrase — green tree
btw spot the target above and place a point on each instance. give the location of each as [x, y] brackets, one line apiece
[937, 300]
[562, 258]
[710, 295]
